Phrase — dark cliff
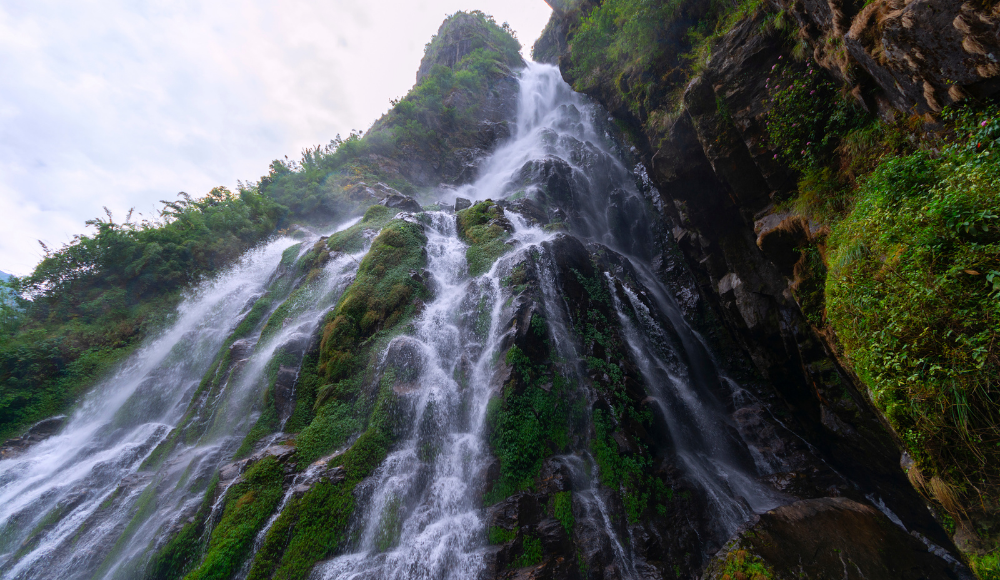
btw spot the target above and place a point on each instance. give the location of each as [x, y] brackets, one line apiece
[701, 109]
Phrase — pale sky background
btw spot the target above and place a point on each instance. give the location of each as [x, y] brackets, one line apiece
[124, 103]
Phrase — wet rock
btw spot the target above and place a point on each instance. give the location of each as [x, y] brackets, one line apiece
[38, 432]
[229, 473]
[402, 203]
[834, 538]
[530, 210]
[462, 203]
[554, 477]
[284, 391]
[317, 472]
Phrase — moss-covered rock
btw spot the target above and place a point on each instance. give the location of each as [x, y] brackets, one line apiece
[486, 229]
[249, 504]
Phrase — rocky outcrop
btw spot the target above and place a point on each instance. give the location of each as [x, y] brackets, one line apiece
[38, 432]
[921, 55]
[457, 37]
[452, 145]
[831, 539]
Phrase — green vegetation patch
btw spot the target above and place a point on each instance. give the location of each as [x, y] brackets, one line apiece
[312, 527]
[531, 552]
[562, 508]
[96, 298]
[912, 294]
[743, 565]
[526, 425]
[352, 239]
[482, 226]
[249, 503]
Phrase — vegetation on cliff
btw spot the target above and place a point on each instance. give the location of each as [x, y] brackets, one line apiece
[912, 271]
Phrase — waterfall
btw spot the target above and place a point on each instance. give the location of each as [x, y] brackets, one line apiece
[138, 456]
[85, 503]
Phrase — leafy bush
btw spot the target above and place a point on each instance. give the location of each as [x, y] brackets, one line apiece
[743, 565]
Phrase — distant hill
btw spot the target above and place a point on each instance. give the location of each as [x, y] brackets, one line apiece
[4, 276]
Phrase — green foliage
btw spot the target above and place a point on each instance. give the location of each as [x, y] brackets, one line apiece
[527, 425]
[531, 552]
[563, 509]
[624, 472]
[741, 564]
[909, 298]
[93, 301]
[986, 566]
[808, 118]
[249, 503]
[498, 535]
[480, 226]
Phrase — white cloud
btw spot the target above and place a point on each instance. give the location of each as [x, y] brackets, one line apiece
[121, 103]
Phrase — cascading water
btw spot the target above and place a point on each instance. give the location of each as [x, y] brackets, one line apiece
[85, 503]
[135, 461]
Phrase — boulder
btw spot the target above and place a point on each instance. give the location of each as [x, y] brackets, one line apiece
[830, 538]
[462, 203]
[402, 203]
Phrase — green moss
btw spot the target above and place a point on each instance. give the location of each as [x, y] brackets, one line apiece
[249, 503]
[531, 552]
[527, 425]
[311, 528]
[563, 509]
[487, 241]
[352, 239]
[381, 296]
[498, 535]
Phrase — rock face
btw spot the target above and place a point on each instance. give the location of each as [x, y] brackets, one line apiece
[715, 185]
[478, 120]
[922, 54]
[38, 432]
[831, 539]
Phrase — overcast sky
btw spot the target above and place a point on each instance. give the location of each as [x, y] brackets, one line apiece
[123, 103]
